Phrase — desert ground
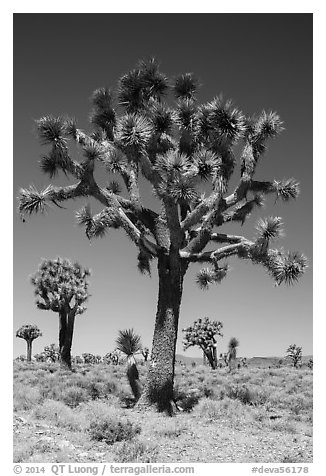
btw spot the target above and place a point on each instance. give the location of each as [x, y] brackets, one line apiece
[262, 413]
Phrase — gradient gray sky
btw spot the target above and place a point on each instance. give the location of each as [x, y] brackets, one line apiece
[261, 61]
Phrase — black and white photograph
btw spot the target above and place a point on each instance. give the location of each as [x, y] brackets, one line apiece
[163, 240]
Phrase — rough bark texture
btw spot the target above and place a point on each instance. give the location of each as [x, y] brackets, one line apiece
[29, 350]
[159, 385]
[66, 329]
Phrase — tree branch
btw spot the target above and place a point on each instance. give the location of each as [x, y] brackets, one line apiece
[216, 255]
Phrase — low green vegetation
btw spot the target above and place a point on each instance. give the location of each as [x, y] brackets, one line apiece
[247, 415]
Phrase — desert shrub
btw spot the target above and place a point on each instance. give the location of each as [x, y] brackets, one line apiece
[26, 398]
[112, 429]
[209, 392]
[99, 389]
[186, 400]
[208, 408]
[283, 425]
[136, 451]
[236, 413]
[74, 395]
[246, 395]
[106, 422]
[59, 414]
[170, 428]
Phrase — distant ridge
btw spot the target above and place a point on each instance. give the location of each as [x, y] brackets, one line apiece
[253, 361]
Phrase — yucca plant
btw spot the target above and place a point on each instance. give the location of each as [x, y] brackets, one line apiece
[129, 343]
[62, 287]
[232, 352]
[178, 149]
[29, 333]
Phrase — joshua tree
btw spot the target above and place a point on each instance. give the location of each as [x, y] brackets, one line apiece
[244, 362]
[62, 287]
[89, 358]
[145, 353]
[41, 357]
[29, 333]
[129, 344]
[232, 352]
[224, 357]
[78, 360]
[51, 352]
[294, 352]
[203, 333]
[112, 357]
[310, 364]
[187, 156]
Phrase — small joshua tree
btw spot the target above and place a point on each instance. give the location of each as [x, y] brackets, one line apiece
[294, 353]
[310, 364]
[112, 357]
[244, 362]
[224, 357]
[203, 334]
[62, 287]
[29, 333]
[51, 352]
[129, 344]
[39, 357]
[232, 352]
[78, 360]
[89, 358]
[145, 353]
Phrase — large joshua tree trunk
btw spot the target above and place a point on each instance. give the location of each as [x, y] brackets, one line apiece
[158, 389]
[66, 329]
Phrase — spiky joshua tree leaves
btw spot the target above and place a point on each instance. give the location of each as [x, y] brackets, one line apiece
[203, 334]
[29, 332]
[129, 343]
[187, 155]
[294, 353]
[62, 287]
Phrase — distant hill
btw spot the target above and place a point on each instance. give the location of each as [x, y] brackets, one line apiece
[260, 362]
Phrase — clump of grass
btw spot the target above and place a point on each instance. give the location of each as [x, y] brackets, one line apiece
[25, 398]
[207, 408]
[59, 414]
[233, 410]
[170, 428]
[136, 451]
[245, 394]
[283, 425]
